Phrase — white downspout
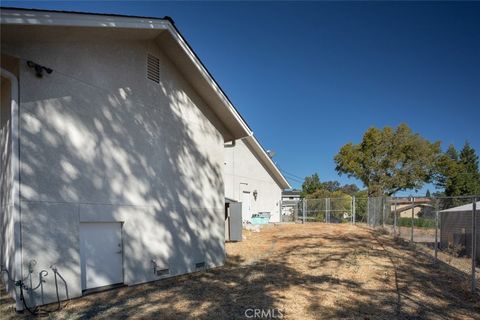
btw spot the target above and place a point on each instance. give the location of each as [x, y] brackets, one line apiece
[17, 272]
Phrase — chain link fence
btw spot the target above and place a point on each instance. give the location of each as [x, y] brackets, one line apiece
[330, 210]
[447, 228]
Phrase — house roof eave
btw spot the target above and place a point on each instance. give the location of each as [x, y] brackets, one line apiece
[267, 161]
[224, 109]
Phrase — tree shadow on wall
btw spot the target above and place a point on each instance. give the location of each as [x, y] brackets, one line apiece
[153, 162]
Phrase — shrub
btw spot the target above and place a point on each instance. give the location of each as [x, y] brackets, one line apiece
[418, 222]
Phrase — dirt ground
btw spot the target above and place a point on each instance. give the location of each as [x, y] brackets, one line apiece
[312, 271]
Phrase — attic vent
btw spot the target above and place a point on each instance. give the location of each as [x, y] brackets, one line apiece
[200, 265]
[153, 68]
[162, 272]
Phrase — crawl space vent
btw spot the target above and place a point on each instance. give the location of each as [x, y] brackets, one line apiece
[153, 68]
[200, 265]
[163, 272]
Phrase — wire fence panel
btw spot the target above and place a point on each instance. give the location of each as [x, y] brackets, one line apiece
[330, 210]
[316, 209]
[340, 210]
[360, 206]
[375, 207]
[458, 237]
[441, 227]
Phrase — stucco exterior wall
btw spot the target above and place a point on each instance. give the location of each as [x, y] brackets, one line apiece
[100, 142]
[244, 172]
[407, 213]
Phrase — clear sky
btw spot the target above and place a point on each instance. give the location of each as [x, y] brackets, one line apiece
[311, 76]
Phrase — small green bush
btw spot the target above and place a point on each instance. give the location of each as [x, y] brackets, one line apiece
[418, 222]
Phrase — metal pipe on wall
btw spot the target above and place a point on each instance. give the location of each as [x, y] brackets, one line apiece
[16, 214]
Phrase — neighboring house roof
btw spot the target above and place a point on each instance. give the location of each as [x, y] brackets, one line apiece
[172, 42]
[465, 207]
[409, 200]
[265, 159]
[291, 192]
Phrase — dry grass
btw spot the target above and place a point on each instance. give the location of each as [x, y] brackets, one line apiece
[313, 271]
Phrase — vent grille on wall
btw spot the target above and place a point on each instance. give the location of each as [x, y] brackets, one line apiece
[163, 272]
[153, 68]
[200, 265]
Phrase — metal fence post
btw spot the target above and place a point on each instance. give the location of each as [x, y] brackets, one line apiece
[304, 209]
[413, 217]
[295, 212]
[395, 218]
[436, 230]
[474, 242]
[383, 211]
[368, 212]
[280, 210]
[353, 209]
[328, 210]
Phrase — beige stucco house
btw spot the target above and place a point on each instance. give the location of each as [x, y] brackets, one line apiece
[422, 207]
[112, 146]
[252, 178]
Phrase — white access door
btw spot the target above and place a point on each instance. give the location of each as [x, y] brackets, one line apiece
[101, 254]
[246, 206]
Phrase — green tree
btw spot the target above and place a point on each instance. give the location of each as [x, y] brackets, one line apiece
[389, 160]
[447, 172]
[350, 189]
[458, 173]
[319, 194]
[469, 176]
[311, 184]
[331, 186]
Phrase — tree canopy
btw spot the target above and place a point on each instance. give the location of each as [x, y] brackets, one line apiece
[312, 187]
[311, 184]
[389, 160]
[458, 173]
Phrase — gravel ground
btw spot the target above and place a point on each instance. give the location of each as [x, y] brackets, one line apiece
[312, 271]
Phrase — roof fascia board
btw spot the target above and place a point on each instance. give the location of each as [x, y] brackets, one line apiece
[46, 18]
[52, 18]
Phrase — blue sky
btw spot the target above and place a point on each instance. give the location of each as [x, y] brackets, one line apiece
[311, 76]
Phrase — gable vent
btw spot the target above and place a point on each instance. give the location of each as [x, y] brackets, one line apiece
[153, 68]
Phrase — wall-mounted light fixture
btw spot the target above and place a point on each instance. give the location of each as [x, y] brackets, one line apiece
[38, 68]
[255, 194]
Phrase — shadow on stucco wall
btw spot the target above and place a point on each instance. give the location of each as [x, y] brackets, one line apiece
[89, 153]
